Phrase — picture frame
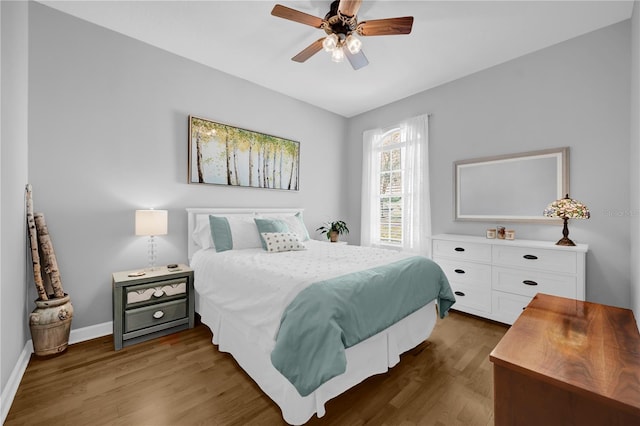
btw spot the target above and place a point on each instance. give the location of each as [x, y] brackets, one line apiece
[220, 154]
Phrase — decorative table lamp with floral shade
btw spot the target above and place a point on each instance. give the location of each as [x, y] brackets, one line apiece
[567, 208]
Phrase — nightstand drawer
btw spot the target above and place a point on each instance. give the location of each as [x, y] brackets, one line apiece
[157, 291]
[160, 313]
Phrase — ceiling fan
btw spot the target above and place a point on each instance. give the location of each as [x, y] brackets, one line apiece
[341, 25]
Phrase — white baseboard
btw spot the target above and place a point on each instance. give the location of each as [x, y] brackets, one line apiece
[92, 332]
[11, 388]
[76, 336]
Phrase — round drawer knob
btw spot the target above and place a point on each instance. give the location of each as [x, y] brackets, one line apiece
[158, 293]
[158, 314]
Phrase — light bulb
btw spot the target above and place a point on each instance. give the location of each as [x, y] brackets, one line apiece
[353, 44]
[337, 55]
[330, 42]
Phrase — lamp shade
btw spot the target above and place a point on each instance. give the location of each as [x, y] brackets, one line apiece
[151, 222]
[353, 44]
[330, 43]
[567, 208]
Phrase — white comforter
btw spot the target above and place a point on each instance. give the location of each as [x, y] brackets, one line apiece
[257, 286]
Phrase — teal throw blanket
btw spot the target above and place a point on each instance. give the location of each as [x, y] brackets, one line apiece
[329, 316]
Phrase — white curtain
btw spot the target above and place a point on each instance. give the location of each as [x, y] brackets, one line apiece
[370, 219]
[416, 211]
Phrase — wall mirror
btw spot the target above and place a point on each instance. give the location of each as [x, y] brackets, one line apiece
[514, 187]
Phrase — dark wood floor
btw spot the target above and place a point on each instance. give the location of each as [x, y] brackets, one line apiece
[182, 379]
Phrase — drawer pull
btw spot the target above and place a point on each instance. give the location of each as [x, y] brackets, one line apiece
[459, 271]
[158, 293]
[529, 282]
[458, 293]
[158, 314]
[459, 249]
[530, 257]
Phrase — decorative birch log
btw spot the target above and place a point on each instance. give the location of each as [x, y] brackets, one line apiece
[33, 240]
[49, 257]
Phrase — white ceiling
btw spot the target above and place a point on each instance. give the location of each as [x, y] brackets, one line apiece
[450, 39]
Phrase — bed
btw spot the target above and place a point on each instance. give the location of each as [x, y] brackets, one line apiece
[251, 294]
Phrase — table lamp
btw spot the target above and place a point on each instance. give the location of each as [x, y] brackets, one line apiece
[566, 208]
[151, 223]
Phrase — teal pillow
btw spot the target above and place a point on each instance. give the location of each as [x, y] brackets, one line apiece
[221, 233]
[270, 225]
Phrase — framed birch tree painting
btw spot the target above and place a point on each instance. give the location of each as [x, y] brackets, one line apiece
[220, 154]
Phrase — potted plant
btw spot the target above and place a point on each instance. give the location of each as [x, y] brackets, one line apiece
[333, 230]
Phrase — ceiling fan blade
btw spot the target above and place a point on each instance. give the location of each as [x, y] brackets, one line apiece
[309, 51]
[358, 60]
[389, 26]
[349, 7]
[294, 15]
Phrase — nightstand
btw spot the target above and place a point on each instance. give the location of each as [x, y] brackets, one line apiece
[158, 303]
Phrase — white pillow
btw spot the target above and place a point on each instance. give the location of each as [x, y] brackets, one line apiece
[201, 234]
[244, 231]
[294, 222]
[282, 241]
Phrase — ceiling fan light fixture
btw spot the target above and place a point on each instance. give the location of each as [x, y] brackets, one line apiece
[353, 44]
[330, 43]
[337, 55]
[342, 30]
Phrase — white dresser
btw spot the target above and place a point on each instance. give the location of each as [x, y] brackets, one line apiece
[496, 279]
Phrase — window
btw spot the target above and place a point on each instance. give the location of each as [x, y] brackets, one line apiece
[395, 187]
[390, 154]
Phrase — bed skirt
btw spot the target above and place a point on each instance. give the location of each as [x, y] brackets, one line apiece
[372, 356]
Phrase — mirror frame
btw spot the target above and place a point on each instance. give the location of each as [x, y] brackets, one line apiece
[561, 184]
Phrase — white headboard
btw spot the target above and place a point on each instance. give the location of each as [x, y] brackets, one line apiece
[192, 213]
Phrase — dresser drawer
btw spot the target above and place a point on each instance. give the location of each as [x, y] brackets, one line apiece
[156, 291]
[468, 273]
[535, 258]
[507, 307]
[528, 283]
[160, 313]
[462, 250]
[469, 296]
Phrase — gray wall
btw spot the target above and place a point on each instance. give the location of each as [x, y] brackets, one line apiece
[108, 135]
[13, 177]
[635, 161]
[572, 94]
